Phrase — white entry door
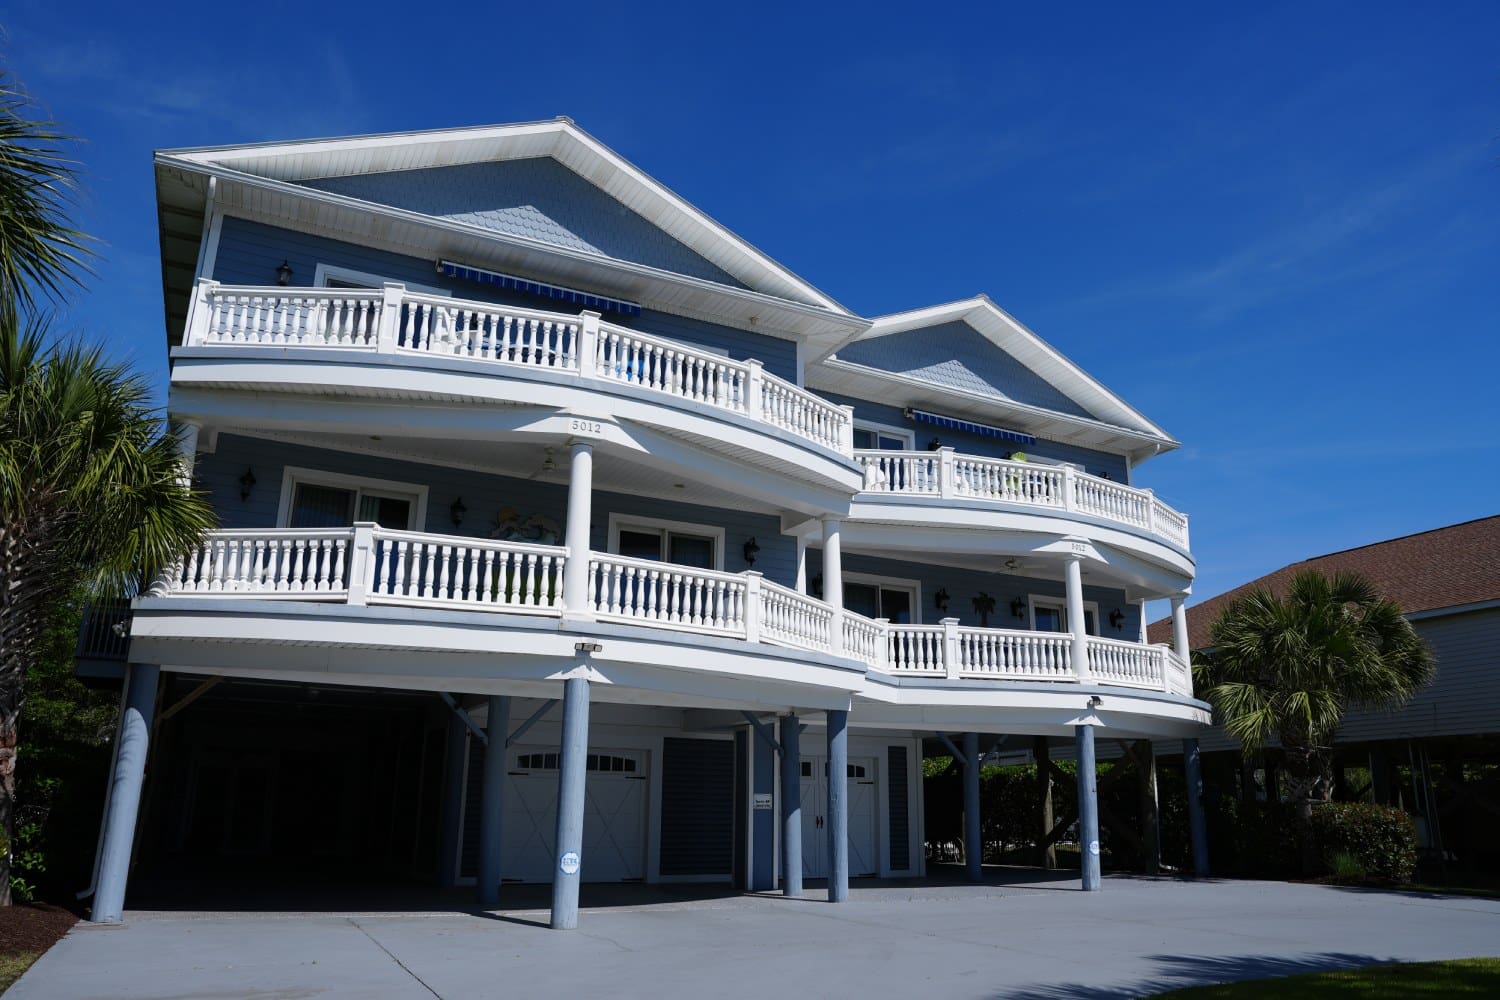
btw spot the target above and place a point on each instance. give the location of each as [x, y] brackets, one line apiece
[863, 859]
[614, 816]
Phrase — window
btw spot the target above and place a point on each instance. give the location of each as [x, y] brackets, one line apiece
[599, 763]
[329, 276]
[879, 597]
[876, 436]
[1048, 614]
[312, 499]
[697, 545]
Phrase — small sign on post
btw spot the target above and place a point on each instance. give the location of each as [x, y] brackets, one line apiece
[763, 800]
[569, 863]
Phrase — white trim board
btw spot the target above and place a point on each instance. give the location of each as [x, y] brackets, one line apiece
[630, 521]
[1046, 600]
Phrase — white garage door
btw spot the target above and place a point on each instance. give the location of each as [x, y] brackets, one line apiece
[861, 805]
[614, 816]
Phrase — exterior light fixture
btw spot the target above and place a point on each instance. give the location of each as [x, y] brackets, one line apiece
[284, 274]
[1018, 608]
[1116, 619]
[751, 549]
[247, 483]
[457, 510]
[940, 599]
[1095, 701]
[587, 647]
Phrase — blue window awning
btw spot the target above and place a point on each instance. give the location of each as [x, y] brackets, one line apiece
[584, 300]
[953, 423]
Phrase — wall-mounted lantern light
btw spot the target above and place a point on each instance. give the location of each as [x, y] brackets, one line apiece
[1116, 619]
[457, 510]
[1018, 608]
[284, 274]
[940, 599]
[751, 550]
[247, 483]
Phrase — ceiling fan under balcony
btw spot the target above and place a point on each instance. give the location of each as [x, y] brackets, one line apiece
[548, 466]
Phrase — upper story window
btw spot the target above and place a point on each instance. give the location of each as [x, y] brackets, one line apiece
[332, 276]
[877, 436]
[697, 545]
[881, 597]
[314, 499]
[1050, 614]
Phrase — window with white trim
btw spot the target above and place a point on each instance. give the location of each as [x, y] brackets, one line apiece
[883, 597]
[313, 499]
[1050, 614]
[332, 276]
[882, 437]
[698, 545]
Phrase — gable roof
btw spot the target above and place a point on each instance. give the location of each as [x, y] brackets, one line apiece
[1450, 567]
[1101, 419]
[274, 182]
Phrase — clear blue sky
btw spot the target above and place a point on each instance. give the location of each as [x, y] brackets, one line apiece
[1271, 227]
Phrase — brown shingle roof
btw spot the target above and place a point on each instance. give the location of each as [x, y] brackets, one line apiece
[1441, 568]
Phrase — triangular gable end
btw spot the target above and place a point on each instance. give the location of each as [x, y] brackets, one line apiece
[975, 346]
[660, 226]
[538, 198]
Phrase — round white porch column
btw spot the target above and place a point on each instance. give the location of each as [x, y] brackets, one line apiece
[1073, 581]
[187, 450]
[576, 537]
[802, 564]
[833, 580]
[1180, 630]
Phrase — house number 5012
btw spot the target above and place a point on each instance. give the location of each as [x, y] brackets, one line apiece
[588, 427]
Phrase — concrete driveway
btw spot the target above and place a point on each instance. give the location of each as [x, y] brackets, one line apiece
[1035, 939]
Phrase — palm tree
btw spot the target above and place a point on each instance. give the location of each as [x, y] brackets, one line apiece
[91, 498]
[1288, 667]
[39, 251]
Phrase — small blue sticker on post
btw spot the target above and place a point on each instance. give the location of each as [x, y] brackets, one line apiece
[1094, 848]
[569, 861]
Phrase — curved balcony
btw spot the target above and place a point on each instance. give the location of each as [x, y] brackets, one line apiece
[1054, 489]
[395, 342]
[369, 565]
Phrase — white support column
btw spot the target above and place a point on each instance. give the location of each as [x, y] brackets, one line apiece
[187, 449]
[1074, 582]
[1142, 637]
[802, 564]
[751, 405]
[950, 648]
[1180, 630]
[200, 312]
[580, 516]
[833, 580]
[362, 562]
[947, 481]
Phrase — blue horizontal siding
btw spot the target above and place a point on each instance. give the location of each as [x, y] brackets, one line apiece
[537, 198]
[483, 495]
[963, 585]
[1095, 462]
[959, 357]
[249, 253]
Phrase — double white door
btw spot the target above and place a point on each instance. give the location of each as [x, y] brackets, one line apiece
[863, 859]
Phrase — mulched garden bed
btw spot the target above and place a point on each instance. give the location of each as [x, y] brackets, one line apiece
[32, 927]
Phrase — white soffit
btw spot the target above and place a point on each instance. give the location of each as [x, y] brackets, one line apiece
[298, 161]
[1006, 332]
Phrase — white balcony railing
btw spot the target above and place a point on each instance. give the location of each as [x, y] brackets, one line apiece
[367, 564]
[395, 321]
[945, 473]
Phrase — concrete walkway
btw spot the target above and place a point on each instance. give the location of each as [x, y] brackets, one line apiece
[1035, 939]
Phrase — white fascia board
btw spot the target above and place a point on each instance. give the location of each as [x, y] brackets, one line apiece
[1011, 335]
[561, 139]
[1065, 427]
[744, 309]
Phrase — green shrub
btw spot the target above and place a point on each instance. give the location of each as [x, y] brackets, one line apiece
[1383, 840]
[1345, 865]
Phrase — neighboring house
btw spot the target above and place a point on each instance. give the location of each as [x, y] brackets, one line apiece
[1438, 755]
[515, 453]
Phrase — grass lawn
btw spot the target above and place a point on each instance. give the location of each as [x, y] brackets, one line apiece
[1476, 977]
